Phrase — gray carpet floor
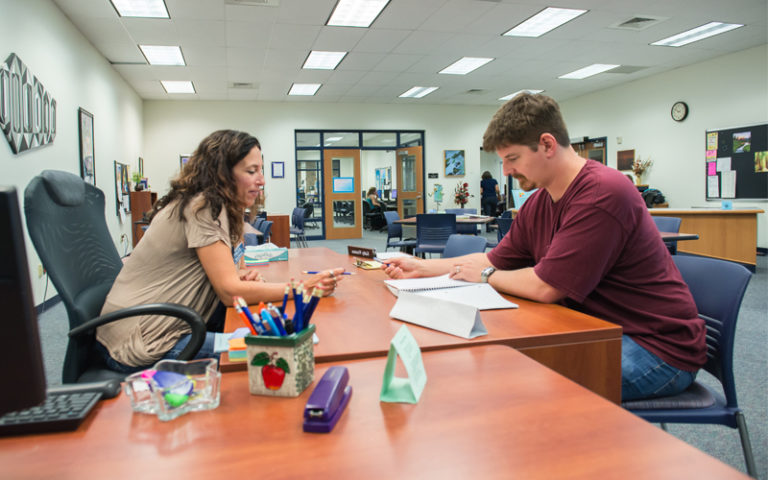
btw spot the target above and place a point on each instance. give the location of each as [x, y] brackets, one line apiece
[720, 442]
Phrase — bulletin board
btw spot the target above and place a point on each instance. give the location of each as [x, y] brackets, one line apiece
[736, 163]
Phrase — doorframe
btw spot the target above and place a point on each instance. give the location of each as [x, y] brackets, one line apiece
[320, 148]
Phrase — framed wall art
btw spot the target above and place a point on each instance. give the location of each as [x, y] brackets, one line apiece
[122, 188]
[278, 169]
[454, 163]
[183, 159]
[87, 158]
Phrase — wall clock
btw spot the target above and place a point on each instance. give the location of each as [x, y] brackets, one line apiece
[679, 111]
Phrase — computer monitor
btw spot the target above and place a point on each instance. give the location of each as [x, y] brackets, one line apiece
[386, 194]
[21, 359]
[520, 196]
[393, 194]
[343, 184]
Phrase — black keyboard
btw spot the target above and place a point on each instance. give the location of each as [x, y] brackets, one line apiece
[62, 410]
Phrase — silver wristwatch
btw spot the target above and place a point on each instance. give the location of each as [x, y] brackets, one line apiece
[486, 273]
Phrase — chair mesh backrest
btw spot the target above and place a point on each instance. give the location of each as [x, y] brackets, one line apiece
[667, 224]
[66, 222]
[434, 228]
[718, 288]
[458, 245]
[297, 218]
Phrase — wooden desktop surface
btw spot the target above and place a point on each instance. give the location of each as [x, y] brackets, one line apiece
[486, 412]
[725, 234]
[355, 323]
[459, 219]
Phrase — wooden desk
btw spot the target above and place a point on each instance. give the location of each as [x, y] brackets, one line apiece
[725, 234]
[355, 323]
[672, 236]
[281, 230]
[486, 412]
[478, 220]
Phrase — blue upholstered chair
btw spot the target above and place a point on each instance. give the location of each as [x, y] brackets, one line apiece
[464, 228]
[432, 231]
[458, 245]
[297, 227]
[668, 224]
[718, 288]
[395, 231]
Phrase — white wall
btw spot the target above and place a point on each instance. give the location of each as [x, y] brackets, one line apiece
[174, 127]
[727, 91]
[76, 75]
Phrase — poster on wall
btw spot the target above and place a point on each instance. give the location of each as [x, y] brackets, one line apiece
[87, 160]
[122, 189]
[454, 163]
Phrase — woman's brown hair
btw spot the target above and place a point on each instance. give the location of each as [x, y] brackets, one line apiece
[209, 171]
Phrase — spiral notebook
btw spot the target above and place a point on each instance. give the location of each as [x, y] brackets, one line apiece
[479, 295]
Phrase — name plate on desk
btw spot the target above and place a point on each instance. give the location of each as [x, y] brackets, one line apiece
[361, 251]
[445, 316]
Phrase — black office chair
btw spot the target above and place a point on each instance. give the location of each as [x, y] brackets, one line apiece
[373, 219]
[458, 245]
[65, 220]
[717, 287]
[432, 231]
[668, 224]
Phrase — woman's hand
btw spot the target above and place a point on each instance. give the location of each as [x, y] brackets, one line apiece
[327, 281]
[250, 274]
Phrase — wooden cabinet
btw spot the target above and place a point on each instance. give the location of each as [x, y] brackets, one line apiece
[281, 230]
[141, 202]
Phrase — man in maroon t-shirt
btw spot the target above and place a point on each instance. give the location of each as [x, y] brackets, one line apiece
[584, 239]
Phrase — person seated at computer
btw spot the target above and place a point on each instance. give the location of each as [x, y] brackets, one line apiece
[584, 239]
[489, 190]
[192, 254]
[373, 200]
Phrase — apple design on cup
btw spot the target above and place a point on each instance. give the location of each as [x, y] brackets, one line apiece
[273, 369]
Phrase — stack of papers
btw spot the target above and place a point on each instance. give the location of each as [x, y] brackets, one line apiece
[479, 295]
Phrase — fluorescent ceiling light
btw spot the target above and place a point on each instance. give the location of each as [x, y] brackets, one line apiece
[318, 60]
[162, 55]
[585, 72]
[512, 95]
[418, 92]
[698, 33]
[546, 20]
[465, 65]
[141, 8]
[356, 13]
[178, 87]
[304, 88]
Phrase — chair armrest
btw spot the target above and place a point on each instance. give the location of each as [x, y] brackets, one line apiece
[186, 314]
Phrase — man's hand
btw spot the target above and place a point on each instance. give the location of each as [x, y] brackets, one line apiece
[404, 267]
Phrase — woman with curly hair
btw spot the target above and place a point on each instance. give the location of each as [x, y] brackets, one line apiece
[192, 254]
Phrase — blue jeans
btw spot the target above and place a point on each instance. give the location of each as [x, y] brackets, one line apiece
[206, 351]
[644, 375]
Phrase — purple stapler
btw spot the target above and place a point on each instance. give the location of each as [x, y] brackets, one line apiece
[328, 401]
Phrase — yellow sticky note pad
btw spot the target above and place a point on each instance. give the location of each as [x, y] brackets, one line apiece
[237, 343]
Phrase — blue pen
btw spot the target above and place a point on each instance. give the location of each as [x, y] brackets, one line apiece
[275, 314]
[266, 317]
[285, 297]
[316, 294]
[298, 316]
[249, 315]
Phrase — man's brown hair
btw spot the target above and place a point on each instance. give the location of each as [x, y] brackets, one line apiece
[522, 120]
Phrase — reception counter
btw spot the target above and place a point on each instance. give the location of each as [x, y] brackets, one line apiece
[725, 234]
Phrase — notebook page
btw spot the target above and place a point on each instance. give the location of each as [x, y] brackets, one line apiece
[479, 295]
[425, 283]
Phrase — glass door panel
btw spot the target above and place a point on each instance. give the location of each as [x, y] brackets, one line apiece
[343, 206]
[410, 182]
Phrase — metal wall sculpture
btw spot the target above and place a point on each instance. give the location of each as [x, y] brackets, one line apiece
[27, 111]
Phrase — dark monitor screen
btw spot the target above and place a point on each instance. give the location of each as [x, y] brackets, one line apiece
[21, 359]
[343, 184]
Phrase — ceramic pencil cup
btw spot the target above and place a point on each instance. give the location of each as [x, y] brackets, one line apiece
[281, 366]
